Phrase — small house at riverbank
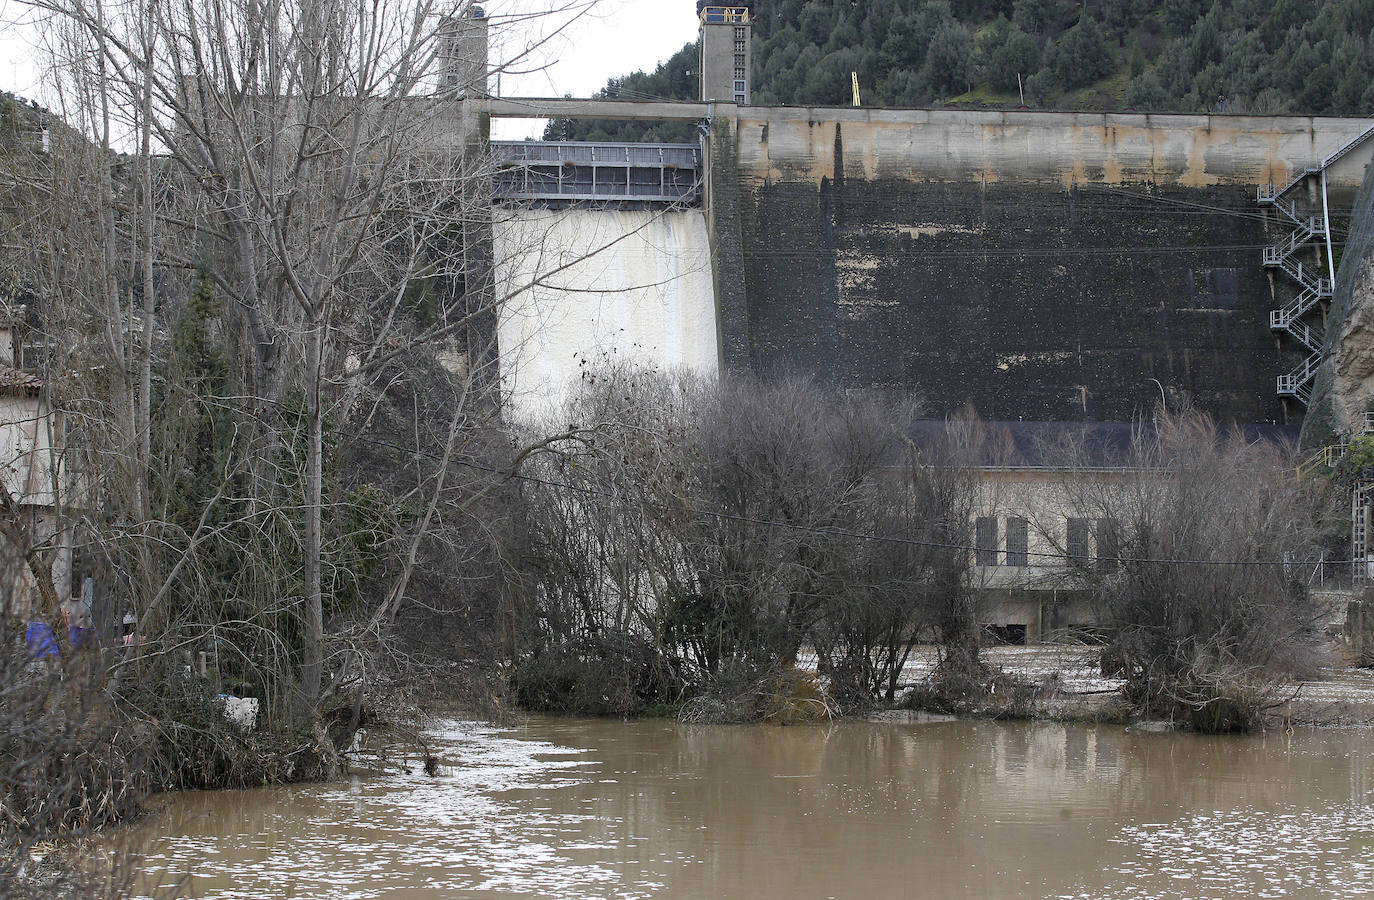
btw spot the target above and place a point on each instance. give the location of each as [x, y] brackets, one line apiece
[30, 476]
[1040, 521]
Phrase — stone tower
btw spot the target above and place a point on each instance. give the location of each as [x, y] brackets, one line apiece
[726, 54]
[462, 53]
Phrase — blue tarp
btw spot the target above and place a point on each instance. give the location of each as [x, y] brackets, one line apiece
[40, 640]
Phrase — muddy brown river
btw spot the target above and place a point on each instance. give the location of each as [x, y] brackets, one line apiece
[571, 808]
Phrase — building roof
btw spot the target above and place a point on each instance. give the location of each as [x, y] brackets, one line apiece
[16, 380]
[1055, 445]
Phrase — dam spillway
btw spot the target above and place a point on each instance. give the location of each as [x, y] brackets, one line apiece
[590, 286]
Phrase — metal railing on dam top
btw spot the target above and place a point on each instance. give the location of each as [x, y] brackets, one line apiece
[572, 171]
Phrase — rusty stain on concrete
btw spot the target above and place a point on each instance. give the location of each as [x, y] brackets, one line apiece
[1067, 148]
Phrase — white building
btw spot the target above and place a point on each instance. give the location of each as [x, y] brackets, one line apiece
[30, 474]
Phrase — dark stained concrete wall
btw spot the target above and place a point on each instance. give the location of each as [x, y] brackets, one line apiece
[1058, 297]
[1026, 301]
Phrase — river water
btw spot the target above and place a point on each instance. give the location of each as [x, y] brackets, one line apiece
[573, 808]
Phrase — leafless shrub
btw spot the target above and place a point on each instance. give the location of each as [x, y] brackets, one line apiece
[69, 764]
[785, 697]
[1208, 624]
[716, 530]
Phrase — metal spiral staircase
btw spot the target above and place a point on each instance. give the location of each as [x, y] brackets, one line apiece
[1316, 282]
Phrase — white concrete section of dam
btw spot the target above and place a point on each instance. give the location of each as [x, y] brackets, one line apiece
[599, 285]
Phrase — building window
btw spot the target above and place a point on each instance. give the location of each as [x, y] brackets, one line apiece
[740, 86]
[1018, 542]
[739, 34]
[1080, 532]
[985, 541]
[739, 98]
[739, 73]
[1108, 545]
[739, 47]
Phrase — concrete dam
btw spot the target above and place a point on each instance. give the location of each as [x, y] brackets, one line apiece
[1038, 266]
[595, 287]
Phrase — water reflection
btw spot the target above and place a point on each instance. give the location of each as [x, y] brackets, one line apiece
[573, 808]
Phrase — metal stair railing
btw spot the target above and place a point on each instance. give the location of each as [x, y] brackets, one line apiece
[1359, 539]
[1269, 194]
[1299, 330]
[1297, 383]
[1287, 387]
[1315, 288]
[1345, 151]
[1288, 209]
[1302, 275]
[1313, 227]
[1296, 309]
[1327, 456]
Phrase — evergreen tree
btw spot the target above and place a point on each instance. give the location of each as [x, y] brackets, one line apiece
[1180, 15]
[1312, 56]
[1146, 92]
[1036, 16]
[1081, 56]
[948, 67]
[1041, 88]
[1018, 56]
[1120, 16]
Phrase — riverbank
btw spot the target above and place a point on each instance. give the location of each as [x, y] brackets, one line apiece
[1340, 696]
[1064, 683]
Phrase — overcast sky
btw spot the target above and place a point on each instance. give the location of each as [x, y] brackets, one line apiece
[615, 37]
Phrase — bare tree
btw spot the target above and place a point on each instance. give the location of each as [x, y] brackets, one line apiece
[297, 161]
[1188, 561]
[713, 531]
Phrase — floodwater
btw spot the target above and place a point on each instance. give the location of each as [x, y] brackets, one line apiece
[572, 808]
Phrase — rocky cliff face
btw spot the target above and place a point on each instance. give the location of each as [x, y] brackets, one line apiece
[1344, 388]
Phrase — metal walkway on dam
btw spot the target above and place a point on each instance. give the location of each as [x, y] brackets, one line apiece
[571, 171]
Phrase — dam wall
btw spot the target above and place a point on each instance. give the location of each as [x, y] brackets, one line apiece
[1038, 266]
[589, 286]
[796, 144]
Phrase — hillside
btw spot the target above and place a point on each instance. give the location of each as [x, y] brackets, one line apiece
[1290, 56]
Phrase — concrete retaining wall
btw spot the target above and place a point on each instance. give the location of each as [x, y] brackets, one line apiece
[1039, 266]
